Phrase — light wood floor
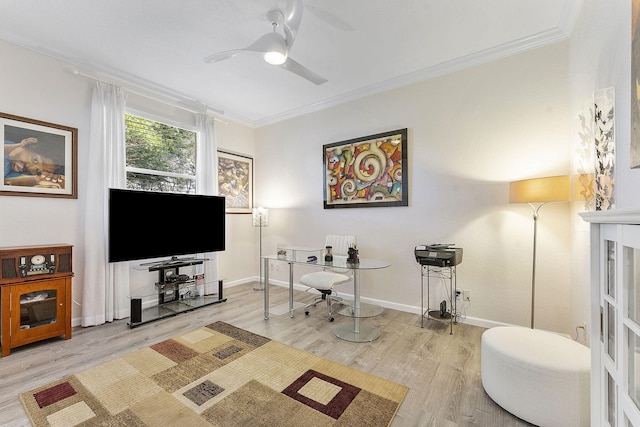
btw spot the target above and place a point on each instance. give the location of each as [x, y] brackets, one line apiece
[441, 370]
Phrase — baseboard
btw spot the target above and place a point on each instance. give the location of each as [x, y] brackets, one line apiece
[474, 321]
[483, 323]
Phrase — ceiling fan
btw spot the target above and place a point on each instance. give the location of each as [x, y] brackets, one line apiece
[275, 46]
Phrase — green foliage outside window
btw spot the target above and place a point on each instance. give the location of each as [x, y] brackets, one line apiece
[159, 157]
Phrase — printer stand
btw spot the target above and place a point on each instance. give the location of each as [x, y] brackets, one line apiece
[448, 274]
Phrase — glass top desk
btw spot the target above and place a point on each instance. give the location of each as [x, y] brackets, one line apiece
[357, 332]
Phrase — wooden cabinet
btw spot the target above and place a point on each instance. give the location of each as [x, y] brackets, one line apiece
[35, 294]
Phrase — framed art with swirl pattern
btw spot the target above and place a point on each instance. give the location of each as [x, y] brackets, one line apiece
[370, 171]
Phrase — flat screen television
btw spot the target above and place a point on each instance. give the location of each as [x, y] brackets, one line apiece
[145, 224]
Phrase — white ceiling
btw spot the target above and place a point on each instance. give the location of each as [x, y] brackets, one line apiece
[360, 46]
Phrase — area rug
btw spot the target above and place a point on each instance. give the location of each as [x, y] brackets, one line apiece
[217, 375]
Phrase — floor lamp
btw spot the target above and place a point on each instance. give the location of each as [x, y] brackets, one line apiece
[537, 192]
[260, 219]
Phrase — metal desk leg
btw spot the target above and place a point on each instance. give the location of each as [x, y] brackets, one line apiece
[266, 288]
[422, 296]
[290, 289]
[356, 303]
[451, 300]
[357, 332]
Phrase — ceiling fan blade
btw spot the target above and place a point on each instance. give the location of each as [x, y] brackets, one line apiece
[262, 45]
[292, 19]
[302, 71]
[330, 18]
[221, 56]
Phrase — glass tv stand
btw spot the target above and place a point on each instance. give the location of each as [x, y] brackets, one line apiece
[175, 292]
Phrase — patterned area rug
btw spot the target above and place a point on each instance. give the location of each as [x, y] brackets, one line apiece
[217, 375]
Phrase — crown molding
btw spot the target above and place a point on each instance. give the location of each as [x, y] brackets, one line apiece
[508, 49]
[561, 32]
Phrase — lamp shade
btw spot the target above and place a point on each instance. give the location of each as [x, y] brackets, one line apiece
[541, 190]
[260, 217]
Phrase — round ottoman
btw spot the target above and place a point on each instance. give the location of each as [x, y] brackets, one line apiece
[538, 376]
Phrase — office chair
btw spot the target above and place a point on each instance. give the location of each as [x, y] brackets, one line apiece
[324, 281]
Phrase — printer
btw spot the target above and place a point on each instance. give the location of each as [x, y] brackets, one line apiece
[438, 255]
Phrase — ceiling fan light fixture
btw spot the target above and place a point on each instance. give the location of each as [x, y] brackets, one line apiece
[275, 52]
[275, 58]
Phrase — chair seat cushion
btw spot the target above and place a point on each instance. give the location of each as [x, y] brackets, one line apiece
[323, 279]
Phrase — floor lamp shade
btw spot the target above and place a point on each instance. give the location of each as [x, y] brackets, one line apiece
[537, 192]
[260, 217]
[541, 190]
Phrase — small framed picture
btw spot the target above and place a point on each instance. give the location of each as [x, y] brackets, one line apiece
[39, 158]
[235, 181]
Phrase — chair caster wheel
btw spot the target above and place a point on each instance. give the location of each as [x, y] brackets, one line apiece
[306, 312]
[330, 319]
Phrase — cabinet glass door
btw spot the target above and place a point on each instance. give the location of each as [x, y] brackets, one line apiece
[609, 303]
[38, 308]
[633, 374]
[611, 400]
[629, 273]
[610, 331]
[610, 277]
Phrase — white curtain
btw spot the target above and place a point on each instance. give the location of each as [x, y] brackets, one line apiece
[106, 286]
[207, 183]
[207, 157]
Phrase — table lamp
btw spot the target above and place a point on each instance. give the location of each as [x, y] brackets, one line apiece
[260, 219]
[537, 192]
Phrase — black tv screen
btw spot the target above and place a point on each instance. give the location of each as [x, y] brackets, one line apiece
[144, 224]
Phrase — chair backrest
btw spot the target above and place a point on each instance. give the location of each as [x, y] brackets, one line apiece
[340, 244]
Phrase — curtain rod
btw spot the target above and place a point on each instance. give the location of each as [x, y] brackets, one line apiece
[205, 108]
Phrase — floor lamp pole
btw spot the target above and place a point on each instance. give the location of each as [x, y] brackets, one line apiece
[537, 192]
[260, 219]
[535, 209]
[260, 287]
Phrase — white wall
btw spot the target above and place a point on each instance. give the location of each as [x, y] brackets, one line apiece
[600, 57]
[41, 88]
[239, 262]
[470, 133]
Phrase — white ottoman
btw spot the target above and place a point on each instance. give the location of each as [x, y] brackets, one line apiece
[538, 376]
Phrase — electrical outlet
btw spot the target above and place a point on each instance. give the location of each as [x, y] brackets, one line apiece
[584, 331]
[466, 295]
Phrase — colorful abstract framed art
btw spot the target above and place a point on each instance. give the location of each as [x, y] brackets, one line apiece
[235, 181]
[369, 171]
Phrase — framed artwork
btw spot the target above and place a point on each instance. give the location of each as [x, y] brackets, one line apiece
[605, 143]
[369, 171]
[235, 181]
[40, 158]
[635, 84]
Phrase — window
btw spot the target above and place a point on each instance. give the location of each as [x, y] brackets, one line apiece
[159, 157]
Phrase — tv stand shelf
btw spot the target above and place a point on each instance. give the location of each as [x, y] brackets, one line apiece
[175, 293]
